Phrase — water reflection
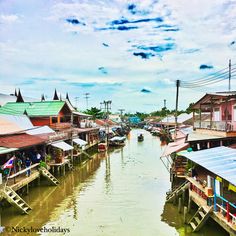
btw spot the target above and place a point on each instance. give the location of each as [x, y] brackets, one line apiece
[118, 193]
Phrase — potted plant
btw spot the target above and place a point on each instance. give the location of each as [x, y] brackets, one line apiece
[59, 156]
[48, 158]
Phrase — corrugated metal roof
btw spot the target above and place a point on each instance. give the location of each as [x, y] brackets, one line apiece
[46, 108]
[12, 123]
[81, 114]
[218, 160]
[40, 130]
[181, 118]
[20, 141]
[62, 145]
[79, 141]
[4, 150]
[175, 147]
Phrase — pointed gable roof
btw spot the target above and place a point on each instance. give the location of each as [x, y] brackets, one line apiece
[55, 97]
[19, 97]
[68, 100]
[42, 98]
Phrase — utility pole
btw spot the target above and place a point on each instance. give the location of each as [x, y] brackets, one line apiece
[176, 106]
[229, 74]
[121, 114]
[87, 97]
[164, 103]
[76, 102]
[107, 108]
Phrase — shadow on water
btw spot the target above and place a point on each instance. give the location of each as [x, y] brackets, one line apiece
[174, 219]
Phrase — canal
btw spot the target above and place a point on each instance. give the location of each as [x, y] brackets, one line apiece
[120, 193]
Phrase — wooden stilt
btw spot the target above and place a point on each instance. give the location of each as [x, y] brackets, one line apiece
[189, 203]
[38, 181]
[183, 196]
[185, 214]
[27, 189]
[175, 198]
[179, 204]
[64, 170]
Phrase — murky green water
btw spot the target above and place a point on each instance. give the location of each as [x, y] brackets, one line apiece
[119, 194]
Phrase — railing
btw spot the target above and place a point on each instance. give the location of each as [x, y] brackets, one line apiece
[198, 190]
[59, 126]
[20, 174]
[224, 208]
[214, 125]
[88, 124]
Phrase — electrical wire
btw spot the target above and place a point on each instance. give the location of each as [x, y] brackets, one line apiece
[209, 81]
[223, 71]
[225, 75]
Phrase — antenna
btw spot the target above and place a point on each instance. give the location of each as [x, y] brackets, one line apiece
[87, 97]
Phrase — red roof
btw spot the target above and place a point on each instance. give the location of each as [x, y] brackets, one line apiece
[104, 122]
[20, 141]
[177, 146]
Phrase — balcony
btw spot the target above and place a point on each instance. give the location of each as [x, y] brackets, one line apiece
[214, 125]
[61, 126]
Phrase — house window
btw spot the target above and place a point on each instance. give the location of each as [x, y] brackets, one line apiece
[216, 114]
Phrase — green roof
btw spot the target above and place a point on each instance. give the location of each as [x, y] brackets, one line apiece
[46, 108]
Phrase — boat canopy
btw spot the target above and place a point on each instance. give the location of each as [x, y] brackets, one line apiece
[117, 138]
[218, 160]
[79, 141]
[62, 145]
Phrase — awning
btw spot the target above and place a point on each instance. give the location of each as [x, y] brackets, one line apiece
[62, 145]
[4, 150]
[219, 160]
[79, 141]
[40, 130]
[117, 138]
[175, 147]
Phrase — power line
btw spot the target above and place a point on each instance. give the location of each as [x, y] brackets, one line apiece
[223, 71]
[225, 75]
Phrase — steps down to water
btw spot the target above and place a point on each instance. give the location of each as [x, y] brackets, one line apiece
[200, 218]
[13, 198]
[48, 175]
[170, 197]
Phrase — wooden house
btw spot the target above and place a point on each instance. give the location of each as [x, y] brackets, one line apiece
[56, 114]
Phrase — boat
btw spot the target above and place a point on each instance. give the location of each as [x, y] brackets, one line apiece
[140, 138]
[117, 141]
[102, 147]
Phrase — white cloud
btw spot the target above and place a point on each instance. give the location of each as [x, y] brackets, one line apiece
[8, 19]
[46, 45]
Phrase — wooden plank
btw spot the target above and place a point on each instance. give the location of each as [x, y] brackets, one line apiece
[25, 181]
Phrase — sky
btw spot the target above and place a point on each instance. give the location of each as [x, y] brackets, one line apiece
[129, 52]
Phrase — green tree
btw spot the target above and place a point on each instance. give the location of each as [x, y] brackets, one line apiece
[190, 109]
[95, 113]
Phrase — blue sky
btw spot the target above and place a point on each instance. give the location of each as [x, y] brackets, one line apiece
[130, 52]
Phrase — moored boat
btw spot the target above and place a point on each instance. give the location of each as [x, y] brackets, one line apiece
[117, 141]
[102, 147]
